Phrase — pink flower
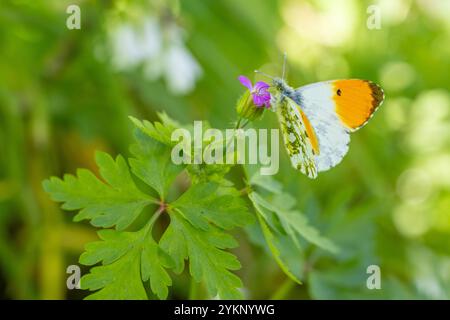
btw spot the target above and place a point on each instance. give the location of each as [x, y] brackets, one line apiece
[261, 97]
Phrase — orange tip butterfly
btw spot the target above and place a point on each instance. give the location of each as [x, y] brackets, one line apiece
[316, 120]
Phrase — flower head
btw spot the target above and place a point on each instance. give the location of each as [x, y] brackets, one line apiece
[261, 97]
[251, 104]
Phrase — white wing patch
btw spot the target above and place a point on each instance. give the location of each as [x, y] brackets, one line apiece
[317, 103]
[295, 138]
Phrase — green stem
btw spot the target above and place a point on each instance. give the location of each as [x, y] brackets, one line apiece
[246, 190]
[153, 200]
[283, 290]
[245, 124]
[238, 123]
[156, 216]
[151, 222]
[241, 124]
[193, 290]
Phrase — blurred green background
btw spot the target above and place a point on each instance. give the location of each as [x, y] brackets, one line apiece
[66, 93]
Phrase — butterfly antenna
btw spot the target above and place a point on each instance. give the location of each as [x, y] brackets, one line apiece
[264, 74]
[284, 65]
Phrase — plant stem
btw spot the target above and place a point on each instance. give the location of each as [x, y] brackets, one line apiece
[156, 216]
[153, 200]
[151, 222]
[238, 123]
[245, 191]
[193, 290]
[283, 290]
[245, 124]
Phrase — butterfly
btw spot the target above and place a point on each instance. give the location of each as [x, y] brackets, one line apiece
[316, 119]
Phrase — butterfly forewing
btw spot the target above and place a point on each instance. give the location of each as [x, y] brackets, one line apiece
[336, 108]
[295, 136]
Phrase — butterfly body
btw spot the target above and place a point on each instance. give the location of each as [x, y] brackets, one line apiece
[316, 120]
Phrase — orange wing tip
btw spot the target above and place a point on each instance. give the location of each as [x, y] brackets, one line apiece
[356, 101]
[377, 100]
[377, 94]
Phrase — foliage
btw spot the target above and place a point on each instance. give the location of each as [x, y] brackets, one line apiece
[199, 220]
[61, 99]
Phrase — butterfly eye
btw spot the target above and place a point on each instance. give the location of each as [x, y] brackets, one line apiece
[339, 92]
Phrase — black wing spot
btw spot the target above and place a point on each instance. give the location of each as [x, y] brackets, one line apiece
[339, 92]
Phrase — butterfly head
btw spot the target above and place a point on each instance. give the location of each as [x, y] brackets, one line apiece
[279, 84]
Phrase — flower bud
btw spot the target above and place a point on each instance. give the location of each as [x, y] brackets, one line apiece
[247, 109]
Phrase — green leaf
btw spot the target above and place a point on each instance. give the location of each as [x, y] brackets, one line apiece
[153, 164]
[271, 240]
[153, 263]
[160, 132]
[114, 245]
[117, 202]
[288, 252]
[126, 257]
[204, 249]
[209, 173]
[266, 182]
[294, 222]
[199, 220]
[118, 281]
[202, 204]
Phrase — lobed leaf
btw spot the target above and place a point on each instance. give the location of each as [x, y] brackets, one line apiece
[115, 202]
[159, 131]
[119, 280]
[128, 258]
[152, 163]
[201, 204]
[199, 220]
[295, 224]
[204, 249]
[271, 241]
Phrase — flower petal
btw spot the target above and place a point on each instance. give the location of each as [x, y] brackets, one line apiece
[261, 85]
[261, 97]
[258, 100]
[246, 82]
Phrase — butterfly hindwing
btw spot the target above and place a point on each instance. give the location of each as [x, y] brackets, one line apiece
[295, 136]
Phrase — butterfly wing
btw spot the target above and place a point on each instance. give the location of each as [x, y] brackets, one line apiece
[295, 136]
[336, 108]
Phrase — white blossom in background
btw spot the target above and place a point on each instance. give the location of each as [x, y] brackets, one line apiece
[127, 52]
[174, 63]
[162, 53]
